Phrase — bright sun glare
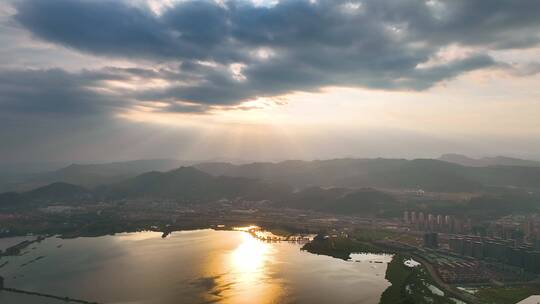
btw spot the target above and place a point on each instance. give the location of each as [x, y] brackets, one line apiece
[249, 258]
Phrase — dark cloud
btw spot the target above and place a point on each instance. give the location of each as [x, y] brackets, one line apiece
[308, 45]
[56, 91]
[85, 93]
[102, 27]
[496, 23]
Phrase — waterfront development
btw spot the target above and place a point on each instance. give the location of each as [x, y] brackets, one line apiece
[418, 258]
[231, 265]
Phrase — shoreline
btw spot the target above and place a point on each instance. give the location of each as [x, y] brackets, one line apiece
[341, 248]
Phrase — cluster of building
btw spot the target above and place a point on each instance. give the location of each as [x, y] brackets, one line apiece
[531, 230]
[462, 272]
[470, 261]
[436, 223]
[506, 251]
[475, 271]
[431, 240]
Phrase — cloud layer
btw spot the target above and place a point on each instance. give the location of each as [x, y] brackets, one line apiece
[225, 53]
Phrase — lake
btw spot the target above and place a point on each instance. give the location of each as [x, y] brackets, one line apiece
[201, 266]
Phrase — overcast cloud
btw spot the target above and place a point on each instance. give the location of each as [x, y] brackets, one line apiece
[193, 56]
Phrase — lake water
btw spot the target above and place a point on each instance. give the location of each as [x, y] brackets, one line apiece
[201, 266]
[11, 241]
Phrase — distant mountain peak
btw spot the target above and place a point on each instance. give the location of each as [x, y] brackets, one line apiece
[187, 169]
[487, 161]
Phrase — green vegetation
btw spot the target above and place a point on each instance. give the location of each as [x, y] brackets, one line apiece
[339, 247]
[506, 295]
[370, 235]
[344, 201]
[357, 241]
[411, 285]
[397, 274]
[367, 201]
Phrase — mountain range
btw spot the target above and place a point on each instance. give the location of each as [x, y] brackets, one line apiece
[185, 184]
[192, 185]
[90, 175]
[427, 174]
[488, 161]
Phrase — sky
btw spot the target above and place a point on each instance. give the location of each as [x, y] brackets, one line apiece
[104, 80]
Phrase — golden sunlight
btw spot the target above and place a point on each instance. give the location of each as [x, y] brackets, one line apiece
[249, 258]
[250, 267]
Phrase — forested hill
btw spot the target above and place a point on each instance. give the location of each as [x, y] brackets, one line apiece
[190, 184]
[427, 174]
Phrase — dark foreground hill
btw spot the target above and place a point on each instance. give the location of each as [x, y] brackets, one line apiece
[185, 184]
[59, 192]
[190, 184]
[344, 201]
[53, 193]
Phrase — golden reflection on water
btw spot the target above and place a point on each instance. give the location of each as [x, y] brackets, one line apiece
[249, 258]
[243, 271]
[248, 270]
[246, 228]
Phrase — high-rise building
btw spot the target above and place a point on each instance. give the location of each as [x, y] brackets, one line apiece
[467, 247]
[536, 244]
[528, 228]
[447, 223]
[457, 226]
[456, 245]
[431, 222]
[421, 221]
[531, 261]
[478, 250]
[431, 240]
